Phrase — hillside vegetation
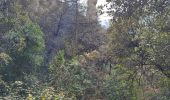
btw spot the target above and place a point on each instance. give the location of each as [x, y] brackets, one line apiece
[57, 50]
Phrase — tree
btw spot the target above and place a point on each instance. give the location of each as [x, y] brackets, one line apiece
[139, 40]
[67, 76]
[141, 26]
[24, 43]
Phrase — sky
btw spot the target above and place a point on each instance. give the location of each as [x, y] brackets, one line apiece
[104, 18]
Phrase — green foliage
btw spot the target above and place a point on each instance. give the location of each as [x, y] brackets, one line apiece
[121, 85]
[134, 61]
[68, 76]
[24, 44]
[5, 59]
[30, 42]
[5, 89]
[58, 61]
[139, 42]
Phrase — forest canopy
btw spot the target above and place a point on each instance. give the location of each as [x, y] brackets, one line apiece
[58, 49]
